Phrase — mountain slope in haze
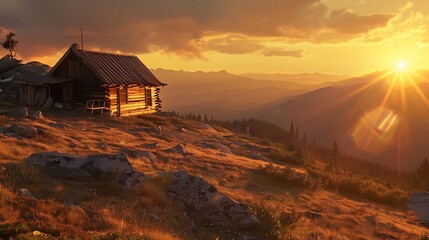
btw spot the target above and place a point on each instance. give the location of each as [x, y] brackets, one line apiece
[12, 67]
[304, 78]
[384, 119]
[209, 92]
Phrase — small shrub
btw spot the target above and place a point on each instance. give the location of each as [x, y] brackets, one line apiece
[273, 222]
[365, 187]
[285, 156]
[287, 176]
[270, 224]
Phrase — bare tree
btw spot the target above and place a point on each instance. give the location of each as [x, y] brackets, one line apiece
[10, 44]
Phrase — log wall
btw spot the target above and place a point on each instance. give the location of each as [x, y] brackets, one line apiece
[136, 104]
[87, 85]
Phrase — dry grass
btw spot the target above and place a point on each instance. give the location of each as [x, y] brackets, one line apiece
[115, 213]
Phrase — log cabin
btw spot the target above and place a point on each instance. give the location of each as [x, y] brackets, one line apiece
[122, 83]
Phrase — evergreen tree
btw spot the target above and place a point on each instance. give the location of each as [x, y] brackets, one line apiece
[335, 155]
[10, 44]
[422, 173]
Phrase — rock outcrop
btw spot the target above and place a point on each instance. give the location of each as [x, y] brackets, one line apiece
[216, 146]
[75, 167]
[21, 130]
[214, 206]
[419, 203]
[37, 115]
[21, 113]
[178, 149]
[193, 192]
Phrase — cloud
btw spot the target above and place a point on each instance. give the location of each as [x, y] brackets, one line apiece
[346, 21]
[232, 44]
[278, 52]
[142, 26]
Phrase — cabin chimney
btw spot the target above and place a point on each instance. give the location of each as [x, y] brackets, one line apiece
[75, 46]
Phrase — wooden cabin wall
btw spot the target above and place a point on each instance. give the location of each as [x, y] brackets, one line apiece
[24, 94]
[34, 96]
[136, 104]
[68, 93]
[86, 85]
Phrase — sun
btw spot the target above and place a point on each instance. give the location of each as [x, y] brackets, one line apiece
[401, 65]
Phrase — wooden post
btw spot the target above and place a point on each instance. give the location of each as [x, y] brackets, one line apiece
[118, 100]
[20, 93]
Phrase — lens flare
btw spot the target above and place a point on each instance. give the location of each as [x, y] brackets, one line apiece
[375, 130]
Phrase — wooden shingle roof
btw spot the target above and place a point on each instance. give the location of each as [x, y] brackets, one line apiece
[115, 69]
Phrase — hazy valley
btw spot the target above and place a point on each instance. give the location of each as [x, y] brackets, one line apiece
[327, 112]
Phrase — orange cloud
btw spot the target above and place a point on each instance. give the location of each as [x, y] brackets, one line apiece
[46, 26]
[232, 44]
[346, 21]
[282, 53]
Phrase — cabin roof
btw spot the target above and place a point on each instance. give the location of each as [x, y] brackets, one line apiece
[114, 69]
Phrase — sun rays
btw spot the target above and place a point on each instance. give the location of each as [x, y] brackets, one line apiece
[385, 121]
[401, 65]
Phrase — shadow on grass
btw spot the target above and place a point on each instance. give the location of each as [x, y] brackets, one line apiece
[71, 209]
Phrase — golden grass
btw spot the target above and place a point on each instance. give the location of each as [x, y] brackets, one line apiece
[113, 211]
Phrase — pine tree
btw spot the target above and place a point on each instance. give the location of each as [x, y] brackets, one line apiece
[422, 173]
[10, 44]
[297, 133]
[335, 155]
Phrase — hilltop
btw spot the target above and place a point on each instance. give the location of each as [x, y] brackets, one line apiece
[292, 196]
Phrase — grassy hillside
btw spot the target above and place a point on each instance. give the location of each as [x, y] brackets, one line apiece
[294, 192]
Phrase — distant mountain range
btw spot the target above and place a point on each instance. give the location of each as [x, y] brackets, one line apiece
[372, 117]
[355, 112]
[305, 78]
[223, 93]
[347, 111]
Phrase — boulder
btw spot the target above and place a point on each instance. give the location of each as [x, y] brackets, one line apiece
[75, 167]
[154, 217]
[178, 149]
[419, 203]
[22, 130]
[150, 145]
[23, 192]
[58, 125]
[222, 147]
[3, 171]
[145, 154]
[259, 156]
[215, 207]
[217, 146]
[140, 154]
[313, 215]
[21, 112]
[110, 163]
[37, 115]
[130, 179]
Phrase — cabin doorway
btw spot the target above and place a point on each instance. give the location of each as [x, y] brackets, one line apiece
[57, 93]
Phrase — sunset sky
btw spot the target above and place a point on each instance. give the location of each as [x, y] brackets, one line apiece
[348, 37]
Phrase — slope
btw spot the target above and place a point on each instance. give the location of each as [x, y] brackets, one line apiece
[241, 166]
[353, 113]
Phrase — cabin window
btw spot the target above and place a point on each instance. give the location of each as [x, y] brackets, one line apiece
[123, 95]
[148, 97]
